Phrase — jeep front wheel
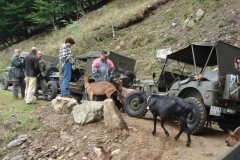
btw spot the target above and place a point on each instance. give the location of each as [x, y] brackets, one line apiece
[52, 90]
[133, 108]
[4, 83]
[196, 123]
[49, 71]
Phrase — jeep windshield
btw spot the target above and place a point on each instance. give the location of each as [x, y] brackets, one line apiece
[180, 68]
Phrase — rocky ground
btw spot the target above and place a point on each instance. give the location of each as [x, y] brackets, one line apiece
[60, 138]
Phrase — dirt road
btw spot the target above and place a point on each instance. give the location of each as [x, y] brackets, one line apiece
[60, 138]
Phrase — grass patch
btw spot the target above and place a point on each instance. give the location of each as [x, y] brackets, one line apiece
[16, 117]
[224, 22]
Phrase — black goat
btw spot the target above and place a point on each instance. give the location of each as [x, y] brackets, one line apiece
[167, 107]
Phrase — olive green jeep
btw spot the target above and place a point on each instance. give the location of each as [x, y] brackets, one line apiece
[51, 63]
[206, 75]
[123, 65]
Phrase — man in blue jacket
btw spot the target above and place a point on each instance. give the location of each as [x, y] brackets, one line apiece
[17, 74]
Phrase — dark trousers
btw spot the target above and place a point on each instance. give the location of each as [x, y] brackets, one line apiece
[41, 82]
[18, 82]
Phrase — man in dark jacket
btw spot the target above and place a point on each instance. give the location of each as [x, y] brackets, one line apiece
[32, 69]
[17, 74]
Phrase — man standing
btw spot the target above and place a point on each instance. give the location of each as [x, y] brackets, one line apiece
[41, 77]
[17, 74]
[103, 68]
[31, 66]
[66, 59]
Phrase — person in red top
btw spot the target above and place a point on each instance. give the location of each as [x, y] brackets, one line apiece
[103, 68]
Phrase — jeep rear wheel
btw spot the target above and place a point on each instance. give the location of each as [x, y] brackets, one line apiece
[52, 90]
[196, 123]
[133, 108]
[229, 122]
[128, 82]
[4, 83]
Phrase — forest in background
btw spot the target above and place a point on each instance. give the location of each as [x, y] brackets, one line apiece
[23, 19]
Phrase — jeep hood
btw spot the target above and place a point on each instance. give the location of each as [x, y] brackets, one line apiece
[223, 55]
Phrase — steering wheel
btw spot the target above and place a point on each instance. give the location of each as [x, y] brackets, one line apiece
[82, 69]
[174, 71]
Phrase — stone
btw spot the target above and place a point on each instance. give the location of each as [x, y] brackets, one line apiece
[62, 105]
[199, 14]
[88, 112]
[112, 116]
[21, 138]
[17, 158]
[162, 53]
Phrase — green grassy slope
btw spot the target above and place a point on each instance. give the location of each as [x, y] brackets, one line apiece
[98, 30]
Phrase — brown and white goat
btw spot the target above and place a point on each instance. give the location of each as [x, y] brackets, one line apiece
[98, 88]
[105, 155]
[122, 91]
[234, 137]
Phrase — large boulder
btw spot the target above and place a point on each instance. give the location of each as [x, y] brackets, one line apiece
[112, 116]
[87, 112]
[62, 105]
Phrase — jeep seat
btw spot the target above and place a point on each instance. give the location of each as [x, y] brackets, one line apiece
[76, 74]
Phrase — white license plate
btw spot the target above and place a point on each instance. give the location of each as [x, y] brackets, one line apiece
[215, 111]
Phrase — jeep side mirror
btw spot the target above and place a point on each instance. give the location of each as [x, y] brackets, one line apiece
[153, 75]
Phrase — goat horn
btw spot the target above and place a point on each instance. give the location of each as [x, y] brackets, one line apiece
[143, 87]
[116, 79]
[124, 77]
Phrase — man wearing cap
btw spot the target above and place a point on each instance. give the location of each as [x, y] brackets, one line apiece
[103, 68]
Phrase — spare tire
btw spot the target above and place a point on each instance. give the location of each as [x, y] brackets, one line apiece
[133, 108]
[49, 71]
[128, 82]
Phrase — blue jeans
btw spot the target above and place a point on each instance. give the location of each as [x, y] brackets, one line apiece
[67, 73]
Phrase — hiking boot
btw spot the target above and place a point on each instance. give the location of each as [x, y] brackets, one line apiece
[45, 98]
[31, 102]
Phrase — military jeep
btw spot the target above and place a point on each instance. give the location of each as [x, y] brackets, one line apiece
[83, 64]
[206, 75]
[51, 63]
